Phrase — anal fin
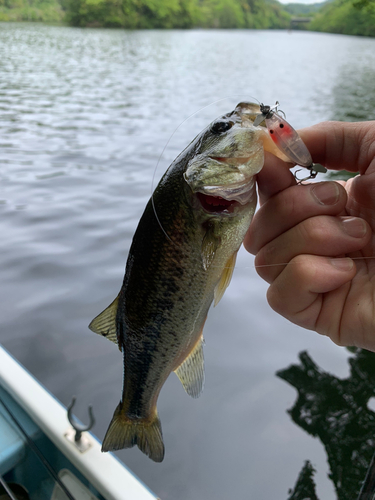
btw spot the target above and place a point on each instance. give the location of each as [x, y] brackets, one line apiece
[191, 370]
[225, 279]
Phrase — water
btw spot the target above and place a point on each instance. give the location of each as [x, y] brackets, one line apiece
[84, 117]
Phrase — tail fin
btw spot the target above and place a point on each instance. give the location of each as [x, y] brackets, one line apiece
[125, 433]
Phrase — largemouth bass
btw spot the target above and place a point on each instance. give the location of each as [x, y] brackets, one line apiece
[180, 261]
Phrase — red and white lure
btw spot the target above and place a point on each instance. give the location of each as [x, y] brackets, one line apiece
[287, 139]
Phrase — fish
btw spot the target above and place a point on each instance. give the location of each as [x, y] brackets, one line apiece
[181, 261]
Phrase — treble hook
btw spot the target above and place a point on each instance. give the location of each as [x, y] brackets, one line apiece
[79, 428]
[274, 109]
[300, 181]
[314, 170]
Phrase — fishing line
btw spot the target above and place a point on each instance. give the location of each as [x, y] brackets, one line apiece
[166, 145]
[292, 263]
[289, 263]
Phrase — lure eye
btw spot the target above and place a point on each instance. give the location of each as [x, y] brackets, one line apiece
[220, 127]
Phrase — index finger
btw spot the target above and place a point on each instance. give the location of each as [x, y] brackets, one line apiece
[336, 145]
[342, 145]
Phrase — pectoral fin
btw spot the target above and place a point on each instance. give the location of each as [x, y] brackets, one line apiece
[225, 279]
[191, 371]
[105, 323]
[210, 244]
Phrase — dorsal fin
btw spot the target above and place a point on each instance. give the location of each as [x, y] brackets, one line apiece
[105, 323]
[225, 279]
[191, 370]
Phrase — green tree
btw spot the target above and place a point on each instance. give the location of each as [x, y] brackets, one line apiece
[144, 14]
[364, 4]
[222, 14]
[131, 14]
[95, 13]
[31, 10]
[167, 14]
[342, 16]
[262, 14]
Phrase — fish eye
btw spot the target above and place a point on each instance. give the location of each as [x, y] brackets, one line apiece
[221, 126]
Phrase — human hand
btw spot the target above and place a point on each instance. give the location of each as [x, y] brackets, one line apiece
[315, 243]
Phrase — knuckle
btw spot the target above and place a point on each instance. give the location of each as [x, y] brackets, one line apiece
[288, 202]
[315, 229]
[265, 270]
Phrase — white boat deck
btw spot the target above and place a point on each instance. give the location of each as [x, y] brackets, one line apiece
[106, 473]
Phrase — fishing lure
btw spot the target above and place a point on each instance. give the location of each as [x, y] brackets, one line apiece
[287, 139]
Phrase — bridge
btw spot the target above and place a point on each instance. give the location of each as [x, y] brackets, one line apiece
[300, 20]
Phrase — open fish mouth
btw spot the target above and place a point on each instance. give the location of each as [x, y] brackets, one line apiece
[236, 190]
[216, 204]
[225, 199]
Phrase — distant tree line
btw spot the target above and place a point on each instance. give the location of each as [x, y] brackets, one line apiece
[303, 9]
[353, 17]
[31, 10]
[143, 14]
[349, 17]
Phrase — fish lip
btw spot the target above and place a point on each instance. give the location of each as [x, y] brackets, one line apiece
[240, 192]
[241, 160]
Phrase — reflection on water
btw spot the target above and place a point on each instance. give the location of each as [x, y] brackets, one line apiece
[305, 485]
[336, 411]
[354, 91]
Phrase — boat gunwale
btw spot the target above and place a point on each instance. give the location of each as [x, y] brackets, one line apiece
[51, 416]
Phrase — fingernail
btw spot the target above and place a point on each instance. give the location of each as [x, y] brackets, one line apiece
[343, 264]
[326, 193]
[355, 227]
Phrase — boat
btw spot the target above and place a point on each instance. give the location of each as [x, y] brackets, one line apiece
[46, 454]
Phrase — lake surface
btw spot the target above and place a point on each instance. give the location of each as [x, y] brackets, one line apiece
[84, 117]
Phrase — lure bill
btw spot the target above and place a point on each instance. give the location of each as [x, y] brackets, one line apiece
[287, 139]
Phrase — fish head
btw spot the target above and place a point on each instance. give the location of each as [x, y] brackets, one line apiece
[229, 153]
